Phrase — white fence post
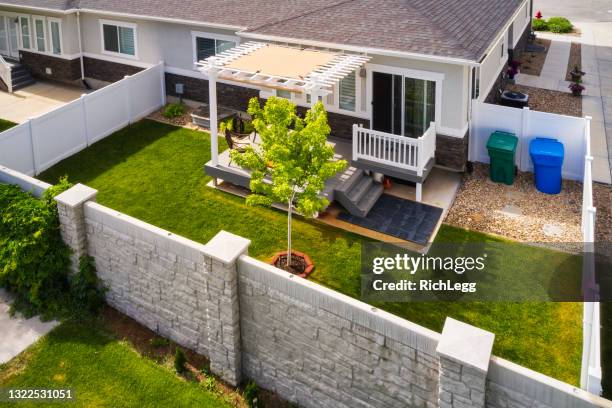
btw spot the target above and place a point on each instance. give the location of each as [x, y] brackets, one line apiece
[162, 76]
[523, 151]
[34, 148]
[84, 108]
[128, 97]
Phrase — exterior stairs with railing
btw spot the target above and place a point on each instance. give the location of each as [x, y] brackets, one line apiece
[358, 193]
[19, 77]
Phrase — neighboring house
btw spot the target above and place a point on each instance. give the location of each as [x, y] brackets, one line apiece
[428, 59]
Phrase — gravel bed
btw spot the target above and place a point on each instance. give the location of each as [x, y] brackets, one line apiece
[575, 59]
[545, 100]
[519, 212]
[532, 62]
[183, 120]
[602, 200]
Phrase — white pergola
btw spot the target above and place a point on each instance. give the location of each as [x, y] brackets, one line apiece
[273, 66]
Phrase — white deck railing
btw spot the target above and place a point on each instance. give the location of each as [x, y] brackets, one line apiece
[5, 74]
[393, 150]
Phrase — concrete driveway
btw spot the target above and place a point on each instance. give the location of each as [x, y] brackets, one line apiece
[36, 99]
[18, 333]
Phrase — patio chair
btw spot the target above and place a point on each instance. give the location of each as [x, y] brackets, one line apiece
[238, 144]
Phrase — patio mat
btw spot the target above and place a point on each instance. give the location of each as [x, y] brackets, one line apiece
[400, 218]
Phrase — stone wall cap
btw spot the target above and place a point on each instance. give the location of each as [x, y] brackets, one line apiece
[466, 344]
[227, 247]
[76, 195]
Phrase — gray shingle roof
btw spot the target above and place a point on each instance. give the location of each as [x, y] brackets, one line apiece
[447, 28]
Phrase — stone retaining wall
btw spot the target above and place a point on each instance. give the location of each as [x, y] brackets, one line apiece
[318, 348]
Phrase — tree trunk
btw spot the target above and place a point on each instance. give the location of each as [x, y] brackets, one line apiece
[289, 216]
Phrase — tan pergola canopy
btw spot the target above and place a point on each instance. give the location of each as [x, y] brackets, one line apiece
[282, 67]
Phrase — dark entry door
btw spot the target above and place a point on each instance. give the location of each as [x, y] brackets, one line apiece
[382, 102]
[387, 103]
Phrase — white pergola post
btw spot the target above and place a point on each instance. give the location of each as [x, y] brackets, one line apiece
[213, 72]
[316, 89]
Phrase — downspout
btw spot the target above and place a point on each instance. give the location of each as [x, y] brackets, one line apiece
[78, 14]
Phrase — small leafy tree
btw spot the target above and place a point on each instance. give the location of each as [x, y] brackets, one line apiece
[293, 161]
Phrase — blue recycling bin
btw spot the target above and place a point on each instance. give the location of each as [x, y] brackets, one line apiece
[547, 156]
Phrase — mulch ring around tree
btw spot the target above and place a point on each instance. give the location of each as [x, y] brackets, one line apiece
[301, 265]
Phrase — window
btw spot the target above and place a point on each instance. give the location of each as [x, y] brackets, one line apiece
[420, 106]
[346, 93]
[24, 24]
[207, 46]
[55, 32]
[3, 36]
[119, 38]
[502, 50]
[282, 93]
[39, 31]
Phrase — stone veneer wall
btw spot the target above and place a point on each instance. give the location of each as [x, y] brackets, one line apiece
[107, 71]
[318, 348]
[452, 152]
[62, 70]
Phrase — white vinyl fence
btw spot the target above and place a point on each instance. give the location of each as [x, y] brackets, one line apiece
[590, 376]
[41, 142]
[527, 124]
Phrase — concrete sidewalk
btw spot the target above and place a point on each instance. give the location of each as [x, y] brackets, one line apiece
[597, 63]
[596, 42]
[18, 333]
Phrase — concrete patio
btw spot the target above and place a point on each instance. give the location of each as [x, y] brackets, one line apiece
[36, 99]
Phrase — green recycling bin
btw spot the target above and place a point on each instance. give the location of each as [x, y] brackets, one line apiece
[502, 148]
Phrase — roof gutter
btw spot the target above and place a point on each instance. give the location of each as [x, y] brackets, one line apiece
[36, 8]
[354, 48]
[162, 19]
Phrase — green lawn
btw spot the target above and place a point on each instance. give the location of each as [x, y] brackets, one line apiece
[155, 172]
[5, 124]
[101, 371]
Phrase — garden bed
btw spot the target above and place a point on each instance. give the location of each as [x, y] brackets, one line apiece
[575, 59]
[136, 172]
[183, 120]
[532, 62]
[545, 100]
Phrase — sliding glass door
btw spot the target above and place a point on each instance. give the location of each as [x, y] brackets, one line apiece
[419, 106]
[401, 105]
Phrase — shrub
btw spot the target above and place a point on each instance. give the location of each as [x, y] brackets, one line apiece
[86, 289]
[34, 261]
[159, 342]
[539, 24]
[250, 393]
[559, 25]
[179, 360]
[174, 110]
